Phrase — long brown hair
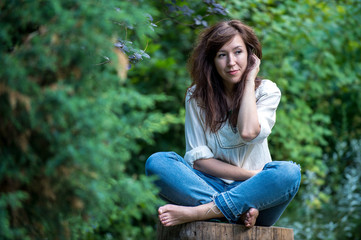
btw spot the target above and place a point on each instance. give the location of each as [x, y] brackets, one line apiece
[209, 89]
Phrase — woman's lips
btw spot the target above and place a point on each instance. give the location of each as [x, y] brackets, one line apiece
[233, 72]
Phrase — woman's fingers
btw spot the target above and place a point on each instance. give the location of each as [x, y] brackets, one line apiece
[255, 68]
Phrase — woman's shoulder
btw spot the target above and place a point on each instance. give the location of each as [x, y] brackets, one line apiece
[191, 89]
[267, 87]
[190, 92]
[192, 100]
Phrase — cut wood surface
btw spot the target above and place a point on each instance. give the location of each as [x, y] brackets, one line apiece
[221, 231]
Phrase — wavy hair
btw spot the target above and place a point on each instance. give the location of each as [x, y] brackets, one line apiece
[209, 90]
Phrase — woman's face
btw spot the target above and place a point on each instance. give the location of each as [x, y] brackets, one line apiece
[231, 61]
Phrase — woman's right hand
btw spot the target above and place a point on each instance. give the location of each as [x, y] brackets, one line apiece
[255, 172]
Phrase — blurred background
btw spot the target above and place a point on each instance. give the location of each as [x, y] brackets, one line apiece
[89, 89]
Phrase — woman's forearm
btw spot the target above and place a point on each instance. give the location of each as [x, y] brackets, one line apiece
[217, 168]
[248, 124]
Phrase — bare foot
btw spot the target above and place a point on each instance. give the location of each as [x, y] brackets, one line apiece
[249, 218]
[170, 215]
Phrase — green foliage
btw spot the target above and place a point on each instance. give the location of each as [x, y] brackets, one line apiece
[311, 50]
[337, 217]
[69, 126]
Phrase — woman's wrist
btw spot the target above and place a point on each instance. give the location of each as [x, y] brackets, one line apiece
[247, 174]
[251, 81]
[255, 172]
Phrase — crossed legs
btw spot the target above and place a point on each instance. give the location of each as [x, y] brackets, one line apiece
[200, 197]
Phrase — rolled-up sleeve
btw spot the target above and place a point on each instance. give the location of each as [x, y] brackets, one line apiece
[267, 103]
[196, 142]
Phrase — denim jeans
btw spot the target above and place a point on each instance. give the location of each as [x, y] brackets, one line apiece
[270, 191]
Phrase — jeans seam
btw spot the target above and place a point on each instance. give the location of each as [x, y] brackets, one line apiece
[234, 206]
[221, 208]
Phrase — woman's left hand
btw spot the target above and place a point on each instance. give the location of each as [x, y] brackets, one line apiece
[254, 69]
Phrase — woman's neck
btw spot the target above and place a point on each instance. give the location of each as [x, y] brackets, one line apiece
[229, 92]
[229, 99]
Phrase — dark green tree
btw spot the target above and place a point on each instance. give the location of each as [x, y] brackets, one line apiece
[70, 120]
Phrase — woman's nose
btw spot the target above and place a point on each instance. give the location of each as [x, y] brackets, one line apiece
[231, 60]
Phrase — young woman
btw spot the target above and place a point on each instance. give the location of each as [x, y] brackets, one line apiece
[227, 171]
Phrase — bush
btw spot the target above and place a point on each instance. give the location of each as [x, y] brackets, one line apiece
[70, 121]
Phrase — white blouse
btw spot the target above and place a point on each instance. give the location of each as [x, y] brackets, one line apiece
[226, 144]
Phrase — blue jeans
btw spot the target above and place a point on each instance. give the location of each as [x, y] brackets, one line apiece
[270, 191]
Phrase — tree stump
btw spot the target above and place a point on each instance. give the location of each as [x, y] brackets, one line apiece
[221, 231]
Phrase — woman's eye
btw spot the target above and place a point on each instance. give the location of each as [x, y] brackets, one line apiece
[238, 52]
[221, 55]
